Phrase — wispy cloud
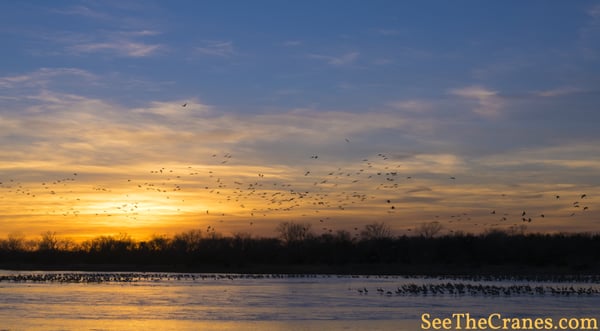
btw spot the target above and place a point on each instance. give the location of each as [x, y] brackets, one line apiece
[594, 12]
[129, 40]
[81, 11]
[342, 60]
[415, 106]
[173, 108]
[589, 34]
[122, 48]
[488, 102]
[578, 156]
[165, 130]
[140, 33]
[43, 76]
[216, 48]
[559, 92]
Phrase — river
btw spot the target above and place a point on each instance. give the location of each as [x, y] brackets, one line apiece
[163, 301]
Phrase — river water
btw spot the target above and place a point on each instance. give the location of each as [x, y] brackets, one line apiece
[147, 301]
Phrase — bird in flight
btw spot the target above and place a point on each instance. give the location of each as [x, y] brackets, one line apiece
[184, 105]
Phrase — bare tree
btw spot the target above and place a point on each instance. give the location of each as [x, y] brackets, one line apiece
[188, 241]
[429, 230]
[48, 242]
[376, 231]
[14, 242]
[293, 232]
[517, 230]
[159, 243]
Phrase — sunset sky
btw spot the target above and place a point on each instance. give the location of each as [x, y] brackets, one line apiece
[468, 113]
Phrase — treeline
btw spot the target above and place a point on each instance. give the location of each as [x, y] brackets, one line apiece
[297, 249]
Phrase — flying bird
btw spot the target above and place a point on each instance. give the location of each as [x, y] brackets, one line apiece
[184, 105]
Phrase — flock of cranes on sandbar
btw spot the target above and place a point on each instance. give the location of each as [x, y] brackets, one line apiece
[400, 287]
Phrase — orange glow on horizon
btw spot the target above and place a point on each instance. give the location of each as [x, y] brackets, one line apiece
[242, 198]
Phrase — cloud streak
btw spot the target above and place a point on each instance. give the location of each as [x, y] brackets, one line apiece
[44, 76]
[488, 102]
[342, 60]
[216, 48]
[122, 48]
[562, 91]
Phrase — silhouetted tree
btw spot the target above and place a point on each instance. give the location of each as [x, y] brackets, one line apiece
[376, 231]
[188, 241]
[110, 244]
[429, 230]
[195, 249]
[158, 243]
[517, 230]
[241, 240]
[14, 242]
[48, 242]
[290, 232]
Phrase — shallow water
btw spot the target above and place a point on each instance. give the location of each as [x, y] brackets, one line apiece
[234, 302]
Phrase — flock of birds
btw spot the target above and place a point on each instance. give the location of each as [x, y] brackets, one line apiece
[440, 287]
[461, 289]
[376, 188]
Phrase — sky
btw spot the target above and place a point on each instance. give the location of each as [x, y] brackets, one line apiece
[157, 117]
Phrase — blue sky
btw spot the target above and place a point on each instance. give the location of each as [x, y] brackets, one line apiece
[502, 95]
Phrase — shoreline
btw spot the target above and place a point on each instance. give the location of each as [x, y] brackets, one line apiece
[355, 269]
